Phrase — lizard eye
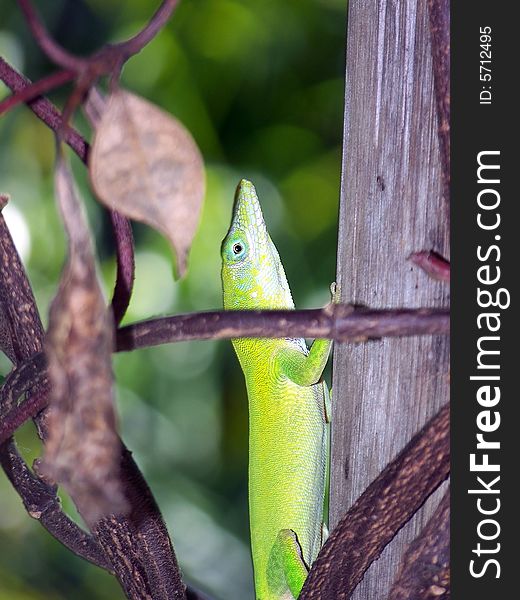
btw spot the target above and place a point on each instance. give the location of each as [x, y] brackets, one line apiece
[235, 249]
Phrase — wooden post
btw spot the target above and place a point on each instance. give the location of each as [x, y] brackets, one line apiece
[391, 206]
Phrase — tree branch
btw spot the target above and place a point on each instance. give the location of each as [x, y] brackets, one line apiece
[425, 569]
[339, 322]
[50, 48]
[27, 410]
[109, 59]
[26, 331]
[143, 529]
[42, 503]
[36, 89]
[343, 324]
[359, 325]
[125, 265]
[138, 544]
[146, 35]
[44, 109]
[28, 375]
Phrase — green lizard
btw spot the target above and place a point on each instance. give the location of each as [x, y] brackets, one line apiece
[287, 411]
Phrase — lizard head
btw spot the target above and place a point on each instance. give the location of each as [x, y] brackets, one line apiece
[252, 273]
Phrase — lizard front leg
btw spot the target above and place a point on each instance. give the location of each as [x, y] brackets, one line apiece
[286, 567]
[305, 369]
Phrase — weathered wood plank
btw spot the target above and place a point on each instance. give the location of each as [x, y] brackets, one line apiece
[391, 206]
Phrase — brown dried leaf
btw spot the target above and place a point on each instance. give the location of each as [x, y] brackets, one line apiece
[146, 165]
[83, 450]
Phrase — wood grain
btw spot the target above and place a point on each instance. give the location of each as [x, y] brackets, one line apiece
[391, 206]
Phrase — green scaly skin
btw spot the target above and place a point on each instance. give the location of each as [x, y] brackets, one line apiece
[287, 414]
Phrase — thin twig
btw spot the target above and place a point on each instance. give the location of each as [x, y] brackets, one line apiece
[144, 530]
[44, 109]
[125, 265]
[22, 413]
[339, 322]
[26, 376]
[146, 35]
[147, 544]
[94, 107]
[106, 61]
[36, 89]
[53, 50]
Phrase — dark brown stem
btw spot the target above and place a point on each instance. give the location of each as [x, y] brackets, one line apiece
[138, 544]
[439, 14]
[339, 322]
[125, 265]
[383, 508]
[53, 50]
[425, 570]
[19, 309]
[43, 109]
[152, 571]
[146, 35]
[140, 537]
[42, 503]
[17, 299]
[24, 412]
[36, 89]
[109, 60]
[119, 536]
[29, 374]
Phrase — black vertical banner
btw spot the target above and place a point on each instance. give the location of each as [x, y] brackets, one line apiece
[485, 258]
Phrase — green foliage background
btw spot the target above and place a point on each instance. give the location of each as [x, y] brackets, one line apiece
[259, 83]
